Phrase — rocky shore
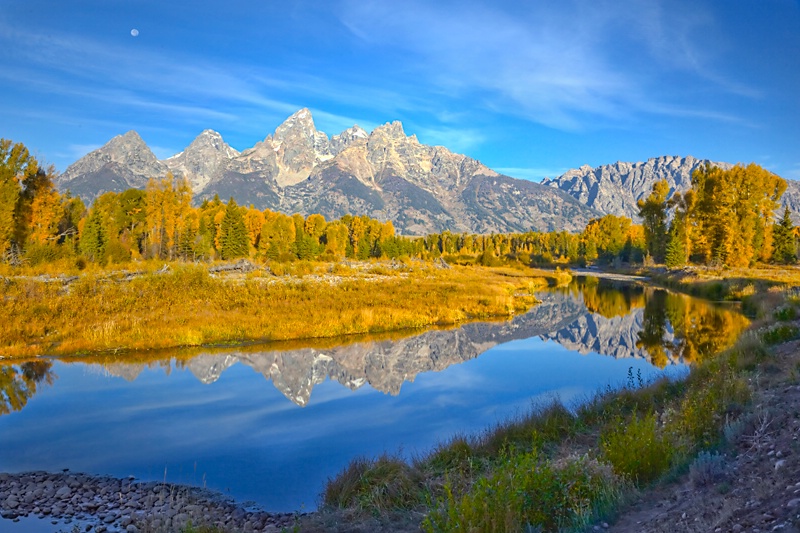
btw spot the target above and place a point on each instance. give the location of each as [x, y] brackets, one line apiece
[107, 505]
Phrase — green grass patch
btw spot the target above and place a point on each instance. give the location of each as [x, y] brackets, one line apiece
[526, 491]
[379, 485]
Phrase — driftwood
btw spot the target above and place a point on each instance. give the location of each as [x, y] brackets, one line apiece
[242, 265]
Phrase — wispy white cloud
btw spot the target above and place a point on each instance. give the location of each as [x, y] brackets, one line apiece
[556, 64]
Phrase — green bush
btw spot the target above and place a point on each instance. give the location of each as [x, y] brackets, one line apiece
[785, 313]
[715, 392]
[637, 449]
[526, 492]
[36, 254]
[379, 485]
[779, 333]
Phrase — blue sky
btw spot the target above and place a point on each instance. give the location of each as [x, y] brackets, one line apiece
[531, 88]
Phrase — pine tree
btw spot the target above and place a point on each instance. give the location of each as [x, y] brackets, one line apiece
[676, 252]
[783, 240]
[94, 237]
[234, 238]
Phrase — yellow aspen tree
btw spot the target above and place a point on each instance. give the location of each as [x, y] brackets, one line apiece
[254, 221]
[46, 211]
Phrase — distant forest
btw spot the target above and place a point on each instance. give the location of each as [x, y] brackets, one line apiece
[727, 218]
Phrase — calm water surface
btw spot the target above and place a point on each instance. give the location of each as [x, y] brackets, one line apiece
[270, 426]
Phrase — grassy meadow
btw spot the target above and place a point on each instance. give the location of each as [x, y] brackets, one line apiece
[185, 305]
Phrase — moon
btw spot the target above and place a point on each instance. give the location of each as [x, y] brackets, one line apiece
[134, 32]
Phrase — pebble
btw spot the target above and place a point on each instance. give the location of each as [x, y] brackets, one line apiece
[108, 504]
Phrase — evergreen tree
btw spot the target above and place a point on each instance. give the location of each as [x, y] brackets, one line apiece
[784, 241]
[94, 237]
[676, 251]
[234, 238]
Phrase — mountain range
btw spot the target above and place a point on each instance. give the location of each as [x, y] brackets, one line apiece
[385, 174]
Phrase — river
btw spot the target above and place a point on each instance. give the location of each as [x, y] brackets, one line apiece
[270, 424]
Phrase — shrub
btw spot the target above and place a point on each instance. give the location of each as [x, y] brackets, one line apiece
[715, 392]
[384, 484]
[36, 254]
[707, 468]
[785, 313]
[779, 333]
[526, 492]
[637, 449]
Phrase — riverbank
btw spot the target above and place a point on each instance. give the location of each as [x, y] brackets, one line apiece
[105, 505]
[751, 481]
[197, 305]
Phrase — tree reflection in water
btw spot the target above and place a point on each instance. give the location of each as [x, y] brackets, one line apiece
[675, 327]
[698, 329]
[18, 383]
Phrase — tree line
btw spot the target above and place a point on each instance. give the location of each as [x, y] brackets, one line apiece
[727, 217]
[38, 224]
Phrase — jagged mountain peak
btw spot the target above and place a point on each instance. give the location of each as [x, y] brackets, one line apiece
[347, 138]
[385, 174]
[393, 130]
[205, 158]
[119, 146]
[126, 161]
[301, 122]
[130, 135]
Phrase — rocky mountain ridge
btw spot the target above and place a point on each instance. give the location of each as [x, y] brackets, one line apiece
[616, 188]
[385, 174]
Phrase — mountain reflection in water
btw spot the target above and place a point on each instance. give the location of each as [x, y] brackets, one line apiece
[590, 315]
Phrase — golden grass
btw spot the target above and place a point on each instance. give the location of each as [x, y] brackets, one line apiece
[189, 307]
